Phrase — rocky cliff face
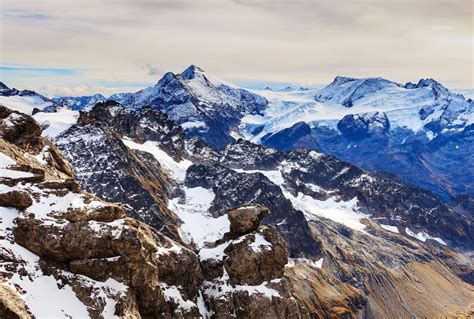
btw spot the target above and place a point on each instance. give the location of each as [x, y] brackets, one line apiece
[245, 268]
[99, 263]
[105, 166]
[67, 253]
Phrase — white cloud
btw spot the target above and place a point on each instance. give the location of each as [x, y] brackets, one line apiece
[152, 70]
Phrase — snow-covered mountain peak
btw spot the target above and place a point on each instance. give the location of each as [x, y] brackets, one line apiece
[169, 76]
[191, 72]
[339, 80]
[3, 87]
[347, 91]
[194, 81]
[438, 89]
[79, 102]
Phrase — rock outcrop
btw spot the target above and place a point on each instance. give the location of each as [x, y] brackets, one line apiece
[246, 219]
[52, 233]
[356, 127]
[243, 276]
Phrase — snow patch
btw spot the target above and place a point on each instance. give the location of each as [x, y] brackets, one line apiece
[343, 212]
[173, 294]
[424, 236]
[176, 169]
[393, 229]
[56, 122]
[198, 225]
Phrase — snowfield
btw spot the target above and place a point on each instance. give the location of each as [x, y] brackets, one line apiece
[325, 107]
[198, 227]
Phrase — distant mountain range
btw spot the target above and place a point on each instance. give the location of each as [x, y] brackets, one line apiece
[422, 133]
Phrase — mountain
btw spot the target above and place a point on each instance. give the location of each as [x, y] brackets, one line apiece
[79, 102]
[25, 100]
[66, 253]
[54, 118]
[119, 97]
[245, 231]
[308, 193]
[419, 132]
[203, 105]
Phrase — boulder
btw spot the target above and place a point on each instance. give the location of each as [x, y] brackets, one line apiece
[246, 219]
[12, 305]
[257, 257]
[19, 129]
[18, 199]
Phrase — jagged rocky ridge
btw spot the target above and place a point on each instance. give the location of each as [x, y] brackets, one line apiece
[246, 172]
[66, 253]
[79, 102]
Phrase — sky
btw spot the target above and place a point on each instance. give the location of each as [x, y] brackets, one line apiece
[78, 47]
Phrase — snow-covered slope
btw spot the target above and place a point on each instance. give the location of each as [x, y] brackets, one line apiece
[24, 101]
[379, 125]
[79, 102]
[202, 104]
[54, 119]
[416, 107]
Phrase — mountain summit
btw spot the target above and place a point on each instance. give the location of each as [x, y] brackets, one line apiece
[202, 104]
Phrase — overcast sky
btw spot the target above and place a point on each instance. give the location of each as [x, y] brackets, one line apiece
[86, 46]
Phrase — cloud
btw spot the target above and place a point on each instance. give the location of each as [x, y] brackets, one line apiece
[25, 14]
[153, 70]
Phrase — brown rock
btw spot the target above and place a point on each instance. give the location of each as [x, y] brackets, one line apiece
[245, 305]
[19, 129]
[69, 185]
[246, 219]
[107, 213]
[256, 257]
[18, 199]
[12, 306]
[37, 175]
[57, 160]
[256, 261]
